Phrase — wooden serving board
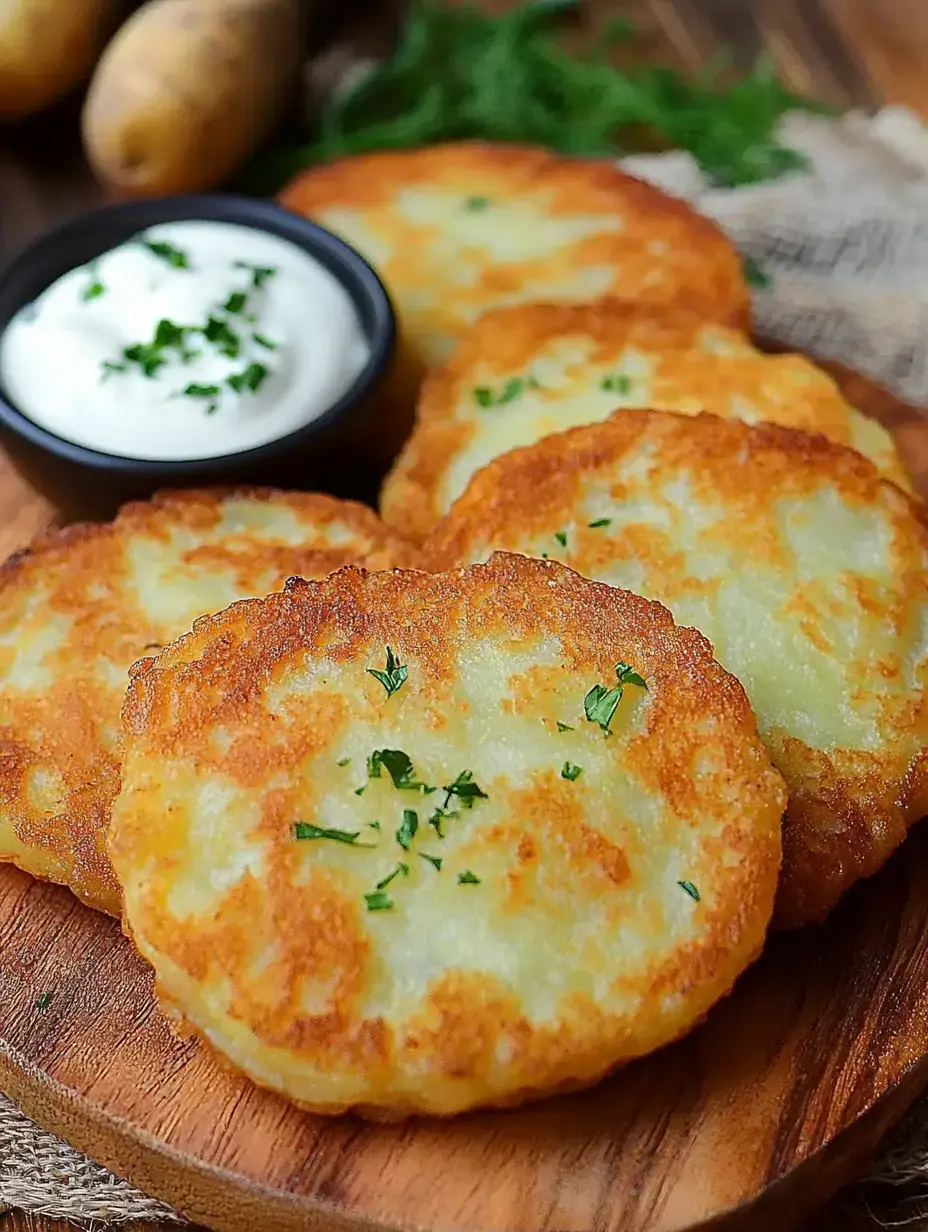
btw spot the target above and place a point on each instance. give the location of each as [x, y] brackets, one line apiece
[777, 1100]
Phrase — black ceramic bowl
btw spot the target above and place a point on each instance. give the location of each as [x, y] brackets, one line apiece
[345, 449]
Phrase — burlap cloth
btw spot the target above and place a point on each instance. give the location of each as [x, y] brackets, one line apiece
[844, 247]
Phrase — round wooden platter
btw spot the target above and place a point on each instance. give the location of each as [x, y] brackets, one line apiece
[750, 1122]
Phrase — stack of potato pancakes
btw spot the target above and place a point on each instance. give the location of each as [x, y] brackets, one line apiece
[505, 790]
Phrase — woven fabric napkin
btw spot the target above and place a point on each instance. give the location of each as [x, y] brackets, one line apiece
[844, 249]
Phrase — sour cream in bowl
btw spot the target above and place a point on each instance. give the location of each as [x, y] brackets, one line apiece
[192, 339]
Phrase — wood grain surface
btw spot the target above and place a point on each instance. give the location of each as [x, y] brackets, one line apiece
[814, 1037]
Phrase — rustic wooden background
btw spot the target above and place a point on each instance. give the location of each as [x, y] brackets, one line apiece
[847, 52]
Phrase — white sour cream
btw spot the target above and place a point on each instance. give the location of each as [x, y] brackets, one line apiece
[192, 340]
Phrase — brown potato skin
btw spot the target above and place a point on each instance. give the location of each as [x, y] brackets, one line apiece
[187, 90]
[47, 47]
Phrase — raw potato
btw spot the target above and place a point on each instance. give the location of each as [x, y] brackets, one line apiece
[188, 89]
[49, 46]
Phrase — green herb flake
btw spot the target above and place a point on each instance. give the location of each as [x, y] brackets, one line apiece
[408, 828]
[169, 334]
[562, 727]
[359, 791]
[93, 290]
[43, 1001]
[616, 383]
[485, 397]
[474, 205]
[754, 274]
[600, 703]
[570, 771]
[465, 789]
[107, 368]
[304, 831]
[435, 861]
[438, 817]
[401, 870]
[168, 253]
[236, 302]
[599, 523]
[399, 767]
[201, 391]
[468, 878]
[262, 341]
[627, 675]
[226, 340]
[690, 889]
[259, 273]
[393, 677]
[343, 761]
[561, 537]
[149, 358]
[378, 901]
[251, 379]
[374, 825]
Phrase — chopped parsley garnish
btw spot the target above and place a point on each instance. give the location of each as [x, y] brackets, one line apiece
[107, 368]
[343, 761]
[561, 727]
[259, 273]
[468, 878]
[43, 1001]
[600, 522]
[600, 703]
[374, 825]
[544, 556]
[435, 861]
[616, 383]
[409, 827]
[401, 870]
[561, 537]
[251, 379]
[399, 767]
[378, 901]
[465, 789]
[170, 334]
[264, 342]
[236, 302]
[221, 336]
[393, 677]
[167, 252]
[754, 274]
[305, 831]
[438, 817]
[211, 392]
[570, 771]
[475, 204]
[485, 397]
[148, 357]
[690, 889]
[359, 791]
[93, 290]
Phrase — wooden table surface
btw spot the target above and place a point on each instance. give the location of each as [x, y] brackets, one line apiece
[848, 52]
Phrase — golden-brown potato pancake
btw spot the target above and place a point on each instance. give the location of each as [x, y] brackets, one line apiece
[458, 229]
[82, 604]
[522, 373]
[805, 570]
[421, 879]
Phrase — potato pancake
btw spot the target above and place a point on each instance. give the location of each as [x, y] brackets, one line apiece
[457, 229]
[80, 605]
[802, 566]
[522, 373]
[417, 843]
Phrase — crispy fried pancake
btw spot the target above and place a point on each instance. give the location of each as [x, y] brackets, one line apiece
[806, 571]
[82, 604]
[521, 373]
[446, 886]
[458, 229]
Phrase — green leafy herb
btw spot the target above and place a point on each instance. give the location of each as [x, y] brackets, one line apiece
[468, 878]
[343, 761]
[754, 274]
[93, 290]
[570, 771]
[562, 727]
[435, 861]
[378, 901]
[43, 1001]
[359, 791]
[147, 356]
[459, 74]
[618, 383]
[465, 789]
[408, 828]
[399, 767]
[600, 703]
[251, 379]
[600, 522]
[475, 204]
[485, 397]
[201, 391]
[374, 825]
[262, 341]
[306, 831]
[438, 817]
[561, 537]
[401, 870]
[690, 889]
[226, 340]
[167, 252]
[394, 675]
[236, 302]
[107, 368]
[259, 273]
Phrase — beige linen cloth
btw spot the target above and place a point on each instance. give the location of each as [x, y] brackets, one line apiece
[845, 248]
